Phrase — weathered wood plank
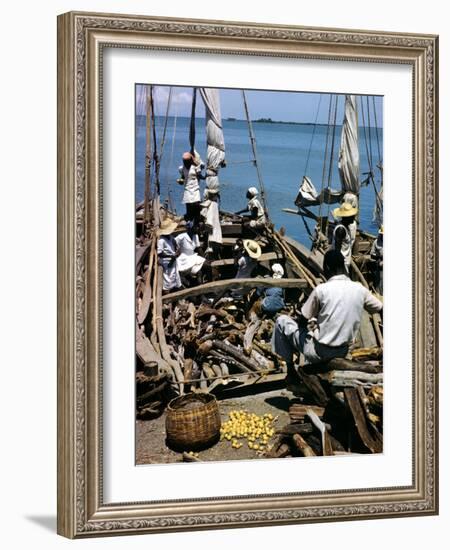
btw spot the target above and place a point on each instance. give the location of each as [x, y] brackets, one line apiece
[359, 416]
[302, 446]
[224, 284]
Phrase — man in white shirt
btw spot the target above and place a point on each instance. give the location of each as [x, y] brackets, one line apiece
[191, 173]
[257, 217]
[329, 320]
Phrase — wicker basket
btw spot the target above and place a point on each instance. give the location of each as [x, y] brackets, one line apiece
[192, 422]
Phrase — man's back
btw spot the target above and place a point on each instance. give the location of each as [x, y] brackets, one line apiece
[337, 305]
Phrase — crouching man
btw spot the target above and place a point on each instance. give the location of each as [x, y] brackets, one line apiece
[329, 319]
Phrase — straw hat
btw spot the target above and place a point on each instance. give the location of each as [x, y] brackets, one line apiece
[345, 210]
[252, 248]
[252, 191]
[277, 271]
[167, 227]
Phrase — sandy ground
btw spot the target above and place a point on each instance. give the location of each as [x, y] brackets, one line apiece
[151, 434]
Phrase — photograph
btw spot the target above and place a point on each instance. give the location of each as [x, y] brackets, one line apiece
[259, 274]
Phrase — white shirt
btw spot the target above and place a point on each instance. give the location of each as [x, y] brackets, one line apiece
[338, 305]
[254, 203]
[191, 185]
[171, 277]
[188, 260]
[210, 213]
[348, 241]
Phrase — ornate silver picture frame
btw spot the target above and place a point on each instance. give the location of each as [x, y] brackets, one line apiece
[82, 38]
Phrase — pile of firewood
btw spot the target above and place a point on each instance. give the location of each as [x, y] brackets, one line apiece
[216, 344]
[340, 410]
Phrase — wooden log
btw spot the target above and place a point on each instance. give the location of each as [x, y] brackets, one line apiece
[372, 443]
[340, 364]
[347, 378]
[302, 446]
[250, 332]
[147, 353]
[229, 361]
[262, 361]
[229, 349]
[228, 284]
[367, 353]
[296, 428]
[298, 411]
[146, 299]
[165, 350]
[313, 385]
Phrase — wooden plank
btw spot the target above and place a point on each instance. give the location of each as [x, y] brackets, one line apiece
[342, 364]
[228, 284]
[359, 416]
[302, 446]
[232, 229]
[297, 411]
[314, 387]
[347, 378]
[141, 251]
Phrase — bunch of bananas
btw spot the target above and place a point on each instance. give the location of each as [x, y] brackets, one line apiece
[257, 430]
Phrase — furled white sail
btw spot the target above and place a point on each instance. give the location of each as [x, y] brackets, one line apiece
[349, 152]
[214, 137]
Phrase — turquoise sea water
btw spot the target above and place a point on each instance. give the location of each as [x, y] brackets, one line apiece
[282, 151]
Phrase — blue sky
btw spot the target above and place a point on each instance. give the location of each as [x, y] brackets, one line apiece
[286, 106]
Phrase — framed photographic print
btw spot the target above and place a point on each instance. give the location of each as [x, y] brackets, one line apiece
[247, 277]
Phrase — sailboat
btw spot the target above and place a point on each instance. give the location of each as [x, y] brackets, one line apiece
[350, 184]
[175, 331]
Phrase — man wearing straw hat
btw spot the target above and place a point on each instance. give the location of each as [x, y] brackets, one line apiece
[329, 319]
[344, 234]
[191, 172]
[168, 251]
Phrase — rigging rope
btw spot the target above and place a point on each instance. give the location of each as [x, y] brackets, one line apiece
[369, 129]
[169, 179]
[155, 149]
[163, 139]
[380, 158]
[312, 137]
[255, 153]
[325, 156]
[330, 170]
[192, 125]
[369, 158]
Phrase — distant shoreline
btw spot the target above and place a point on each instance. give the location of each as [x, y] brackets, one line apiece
[262, 121]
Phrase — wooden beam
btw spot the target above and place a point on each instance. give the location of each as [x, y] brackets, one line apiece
[219, 286]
